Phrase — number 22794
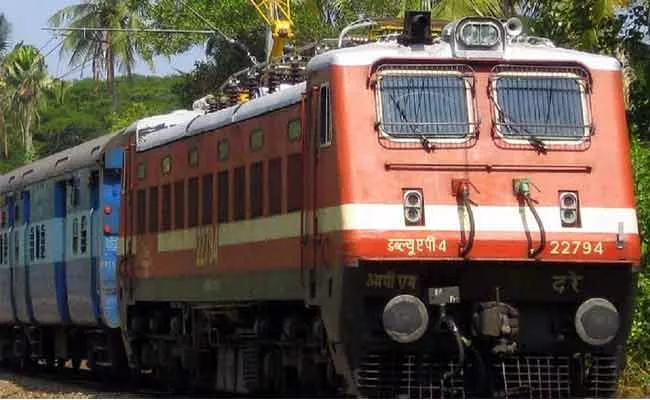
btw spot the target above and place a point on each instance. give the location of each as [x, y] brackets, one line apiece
[576, 247]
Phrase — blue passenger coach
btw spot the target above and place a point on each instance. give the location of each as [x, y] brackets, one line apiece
[58, 253]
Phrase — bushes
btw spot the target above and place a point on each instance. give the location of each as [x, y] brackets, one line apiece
[635, 381]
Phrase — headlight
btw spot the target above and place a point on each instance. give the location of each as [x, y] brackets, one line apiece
[569, 209]
[479, 34]
[569, 217]
[405, 318]
[413, 207]
[597, 321]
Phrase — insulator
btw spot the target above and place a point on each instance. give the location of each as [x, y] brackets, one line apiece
[297, 72]
[284, 72]
[232, 90]
[244, 95]
[222, 101]
[252, 82]
[274, 79]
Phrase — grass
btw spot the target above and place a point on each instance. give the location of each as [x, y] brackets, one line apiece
[635, 379]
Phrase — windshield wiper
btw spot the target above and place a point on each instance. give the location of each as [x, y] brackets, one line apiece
[534, 141]
[426, 144]
[537, 143]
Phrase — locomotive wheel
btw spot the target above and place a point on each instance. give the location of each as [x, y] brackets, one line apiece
[76, 362]
[177, 380]
[274, 383]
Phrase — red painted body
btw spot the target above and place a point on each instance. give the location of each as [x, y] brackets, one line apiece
[357, 169]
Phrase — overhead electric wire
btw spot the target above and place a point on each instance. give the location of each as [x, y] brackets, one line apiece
[220, 32]
[133, 30]
[214, 29]
[73, 69]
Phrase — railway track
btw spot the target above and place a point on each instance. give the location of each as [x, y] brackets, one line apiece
[41, 381]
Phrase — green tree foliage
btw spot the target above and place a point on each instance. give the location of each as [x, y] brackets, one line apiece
[223, 60]
[5, 31]
[133, 112]
[107, 50]
[86, 110]
[27, 80]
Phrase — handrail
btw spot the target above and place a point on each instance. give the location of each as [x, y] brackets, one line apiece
[542, 232]
[467, 246]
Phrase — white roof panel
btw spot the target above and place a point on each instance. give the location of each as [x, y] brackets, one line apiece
[369, 54]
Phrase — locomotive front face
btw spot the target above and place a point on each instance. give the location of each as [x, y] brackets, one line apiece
[490, 237]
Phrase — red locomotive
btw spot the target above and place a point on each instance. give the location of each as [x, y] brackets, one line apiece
[426, 217]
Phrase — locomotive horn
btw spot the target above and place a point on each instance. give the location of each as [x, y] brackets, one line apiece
[514, 27]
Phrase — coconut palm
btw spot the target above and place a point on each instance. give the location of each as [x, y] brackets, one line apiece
[26, 80]
[5, 30]
[107, 50]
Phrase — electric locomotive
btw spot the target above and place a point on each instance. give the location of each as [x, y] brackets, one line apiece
[425, 216]
[447, 212]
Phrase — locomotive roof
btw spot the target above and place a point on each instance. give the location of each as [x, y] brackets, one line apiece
[59, 163]
[221, 118]
[368, 54]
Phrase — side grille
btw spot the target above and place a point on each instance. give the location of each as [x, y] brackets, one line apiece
[408, 376]
[602, 377]
[533, 377]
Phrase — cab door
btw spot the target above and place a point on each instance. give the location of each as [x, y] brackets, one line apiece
[317, 136]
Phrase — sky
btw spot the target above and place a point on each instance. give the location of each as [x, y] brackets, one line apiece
[27, 17]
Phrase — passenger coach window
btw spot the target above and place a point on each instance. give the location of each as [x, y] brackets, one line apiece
[17, 248]
[43, 247]
[540, 105]
[32, 238]
[4, 249]
[84, 235]
[416, 103]
[75, 235]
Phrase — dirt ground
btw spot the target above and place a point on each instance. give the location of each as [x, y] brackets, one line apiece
[20, 386]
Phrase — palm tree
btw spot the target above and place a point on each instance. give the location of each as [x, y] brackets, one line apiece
[106, 50]
[5, 30]
[26, 80]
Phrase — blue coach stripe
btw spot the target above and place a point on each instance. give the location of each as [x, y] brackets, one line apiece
[61, 290]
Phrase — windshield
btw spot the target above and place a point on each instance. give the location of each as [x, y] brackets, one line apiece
[549, 107]
[419, 104]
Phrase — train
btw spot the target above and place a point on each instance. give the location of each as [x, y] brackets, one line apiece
[446, 215]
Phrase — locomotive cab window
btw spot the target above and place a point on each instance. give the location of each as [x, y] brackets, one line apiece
[540, 105]
[325, 117]
[431, 102]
